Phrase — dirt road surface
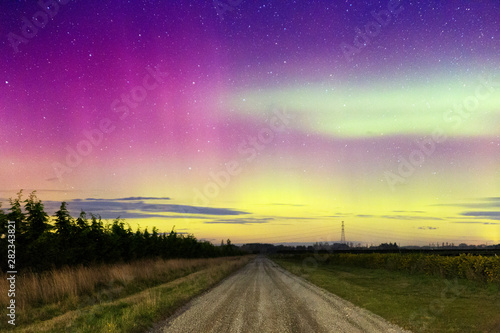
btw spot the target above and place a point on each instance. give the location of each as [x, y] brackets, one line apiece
[263, 297]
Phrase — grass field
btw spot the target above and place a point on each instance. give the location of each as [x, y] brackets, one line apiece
[419, 302]
[112, 298]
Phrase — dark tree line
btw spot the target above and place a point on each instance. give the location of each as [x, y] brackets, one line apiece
[43, 244]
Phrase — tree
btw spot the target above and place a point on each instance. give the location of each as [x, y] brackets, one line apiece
[81, 241]
[155, 243]
[120, 241]
[138, 244]
[81, 248]
[82, 222]
[63, 221]
[16, 213]
[3, 222]
[37, 219]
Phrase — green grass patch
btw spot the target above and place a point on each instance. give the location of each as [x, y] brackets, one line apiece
[419, 302]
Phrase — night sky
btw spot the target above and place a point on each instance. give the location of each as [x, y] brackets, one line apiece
[258, 121]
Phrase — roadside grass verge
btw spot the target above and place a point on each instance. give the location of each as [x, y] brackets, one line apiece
[118, 298]
[419, 302]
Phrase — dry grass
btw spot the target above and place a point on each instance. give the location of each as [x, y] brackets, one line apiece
[70, 288]
[134, 311]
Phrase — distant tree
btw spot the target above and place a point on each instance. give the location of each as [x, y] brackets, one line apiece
[120, 241]
[63, 221]
[3, 239]
[390, 246]
[81, 241]
[172, 248]
[3, 222]
[229, 249]
[16, 213]
[155, 243]
[138, 244]
[36, 219]
[82, 222]
[82, 245]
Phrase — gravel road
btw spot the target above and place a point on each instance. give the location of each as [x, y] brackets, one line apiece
[262, 297]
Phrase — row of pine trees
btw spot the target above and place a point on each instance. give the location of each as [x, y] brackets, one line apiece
[43, 242]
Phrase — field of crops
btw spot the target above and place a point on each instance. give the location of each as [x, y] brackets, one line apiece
[472, 267]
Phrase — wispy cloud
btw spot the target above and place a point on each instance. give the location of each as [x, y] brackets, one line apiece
[297, 218]
[476, 222]
[250, 220]
[284, 204]
[479, 203]
[27, 190]
[410, 217]
[130, 199]
[186, 209]
[125, 214]
[339, 215]
[494, 215]
[494, 199]
[134, 208]
[409, 211]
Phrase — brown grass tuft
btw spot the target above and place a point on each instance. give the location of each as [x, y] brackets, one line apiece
[33, 289]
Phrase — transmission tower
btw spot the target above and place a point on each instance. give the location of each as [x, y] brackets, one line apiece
[342, 237]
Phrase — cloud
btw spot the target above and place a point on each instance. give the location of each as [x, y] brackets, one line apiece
[297, 218]
[53, 179]
[38, 191]
[428, 228]
[284, 204]
[250, 220]
[408, 211]
[133, 208]
[130, 199]
[484, 203]
[400, 217]
[494, 199]
[186, 209]
[476, 222]
[128, 215]
[494, 215]
[410, 217]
